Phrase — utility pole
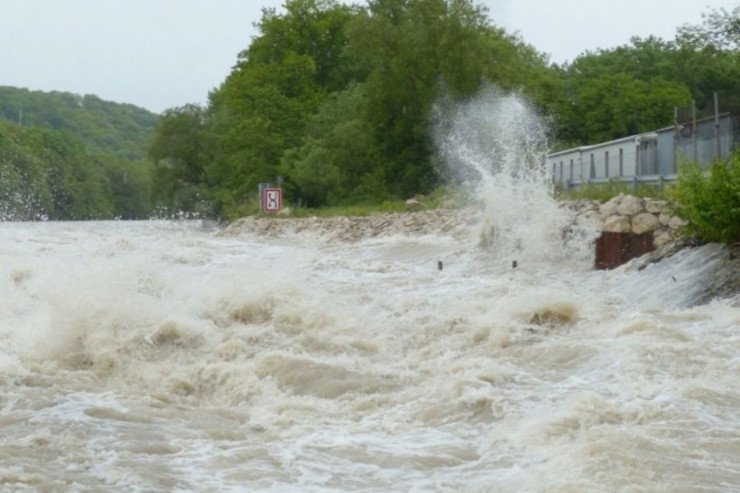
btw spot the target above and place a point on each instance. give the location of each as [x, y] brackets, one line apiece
[20, 117]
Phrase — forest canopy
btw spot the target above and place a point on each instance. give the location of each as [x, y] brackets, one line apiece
[338, 99]
[66, 156]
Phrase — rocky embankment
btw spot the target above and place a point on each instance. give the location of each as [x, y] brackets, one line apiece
[454, 222]
[622, 214]
[629, 214]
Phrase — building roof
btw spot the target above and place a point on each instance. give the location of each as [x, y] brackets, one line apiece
[652, 134]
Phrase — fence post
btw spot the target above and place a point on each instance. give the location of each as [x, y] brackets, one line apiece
[716, 125]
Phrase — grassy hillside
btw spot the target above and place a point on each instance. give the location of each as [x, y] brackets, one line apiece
[123, 130]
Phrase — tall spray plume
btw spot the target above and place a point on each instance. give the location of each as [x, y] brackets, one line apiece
[494, 145]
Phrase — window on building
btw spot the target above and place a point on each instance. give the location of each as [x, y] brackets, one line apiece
[571, 170]
[606, 163]
[561, 171]
[621, 162]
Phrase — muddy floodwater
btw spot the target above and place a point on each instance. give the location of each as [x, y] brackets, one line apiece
[162, 356]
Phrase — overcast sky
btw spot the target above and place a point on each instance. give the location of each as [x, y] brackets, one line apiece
[164, 53]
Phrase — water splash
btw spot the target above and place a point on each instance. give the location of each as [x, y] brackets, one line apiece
[142, 355]
[495, 144]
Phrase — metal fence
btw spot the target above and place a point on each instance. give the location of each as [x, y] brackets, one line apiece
[651, 158]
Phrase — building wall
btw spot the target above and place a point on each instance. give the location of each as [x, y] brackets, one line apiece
[608, 157]
[701, 145]
[563, 160]
[649, 154]
[667, 157]
[607, 160]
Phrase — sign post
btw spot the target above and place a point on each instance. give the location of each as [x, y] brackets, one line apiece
[272, 199]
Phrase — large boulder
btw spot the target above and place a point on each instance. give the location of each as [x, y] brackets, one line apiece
[661, 237]
[644, 223]
[664, 218]
[609, 208]
[629, 206]
[617, 224]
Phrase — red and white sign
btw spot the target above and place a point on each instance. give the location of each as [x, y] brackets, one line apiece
[272, 199]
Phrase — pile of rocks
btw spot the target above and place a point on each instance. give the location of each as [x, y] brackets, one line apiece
[455, 222]
[629, 214]
[622, 214]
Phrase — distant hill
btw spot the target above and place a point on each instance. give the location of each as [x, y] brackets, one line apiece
[124, 130]
[65, 156]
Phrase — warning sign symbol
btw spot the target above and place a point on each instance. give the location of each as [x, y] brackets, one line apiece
[272, 199]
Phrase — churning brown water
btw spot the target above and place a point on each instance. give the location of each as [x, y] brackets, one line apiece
[160, 356]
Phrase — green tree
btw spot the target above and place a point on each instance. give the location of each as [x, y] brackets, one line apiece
[103, 126]
[338, 99]
[48, 174]
[262, 108]
[710, 203]
[338, 160]
[635, 86]
[129, 186]
[720, 29]
[414, 50]
[613, 106]
[24, 194]
[76, 184]
[179, 144]
[72, 157]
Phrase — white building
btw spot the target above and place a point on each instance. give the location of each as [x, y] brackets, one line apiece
[647, 157]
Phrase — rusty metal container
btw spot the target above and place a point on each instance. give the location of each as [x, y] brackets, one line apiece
[614, 249]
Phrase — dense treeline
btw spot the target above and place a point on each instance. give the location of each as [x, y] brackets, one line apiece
[48, 174]
[339, 99]
[123, 130]
[64, 156]
[635, 88]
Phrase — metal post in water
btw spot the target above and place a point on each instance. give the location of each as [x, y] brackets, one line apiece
[514, 264]
[439, 265]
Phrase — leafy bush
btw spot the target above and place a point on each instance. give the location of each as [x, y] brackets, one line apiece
[710, 202]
